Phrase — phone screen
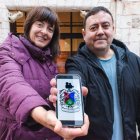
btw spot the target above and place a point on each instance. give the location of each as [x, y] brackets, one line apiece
[69, 100]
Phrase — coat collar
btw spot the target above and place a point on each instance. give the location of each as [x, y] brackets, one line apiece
[37, 53]
[22, 50]
[119, 48]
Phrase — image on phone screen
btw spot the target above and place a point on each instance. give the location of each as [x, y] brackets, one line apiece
[69, 100]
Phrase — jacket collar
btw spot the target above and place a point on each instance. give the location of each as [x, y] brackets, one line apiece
[119, 48]
[37, 53]
[22, 50]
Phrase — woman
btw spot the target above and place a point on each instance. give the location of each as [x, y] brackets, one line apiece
[26, 67]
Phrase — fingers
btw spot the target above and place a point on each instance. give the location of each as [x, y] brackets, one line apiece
[53, 82]
[84, 91]
[53, 95]
[53, 91]
[67, 133]
[71, 133]
[75, 132]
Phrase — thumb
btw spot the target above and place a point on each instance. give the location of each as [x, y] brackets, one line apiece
[58, 126]
[84, 91]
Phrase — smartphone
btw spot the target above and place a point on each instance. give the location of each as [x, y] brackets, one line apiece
[69, 107]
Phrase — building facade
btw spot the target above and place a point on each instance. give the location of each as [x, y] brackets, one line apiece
[126, 15]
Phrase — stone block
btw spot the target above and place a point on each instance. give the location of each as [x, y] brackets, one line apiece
[131, 8]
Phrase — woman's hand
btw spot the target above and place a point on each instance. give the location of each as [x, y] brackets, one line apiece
[48, 119]
[71, 133]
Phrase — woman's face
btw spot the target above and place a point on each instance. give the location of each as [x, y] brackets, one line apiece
[41, 33]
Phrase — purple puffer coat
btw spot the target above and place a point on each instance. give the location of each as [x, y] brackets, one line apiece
[25, 73]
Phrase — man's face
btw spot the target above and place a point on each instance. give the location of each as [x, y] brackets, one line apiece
[98, 32]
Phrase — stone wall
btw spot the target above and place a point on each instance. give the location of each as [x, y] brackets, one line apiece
[4, 23]
[128, 23]
[126, 14]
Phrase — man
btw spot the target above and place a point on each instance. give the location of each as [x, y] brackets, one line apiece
[112, 75]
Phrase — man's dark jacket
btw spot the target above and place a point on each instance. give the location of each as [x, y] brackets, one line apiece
[99, 101]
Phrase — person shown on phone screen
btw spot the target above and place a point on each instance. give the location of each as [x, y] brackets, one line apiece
[112, 75]
[26, 67]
